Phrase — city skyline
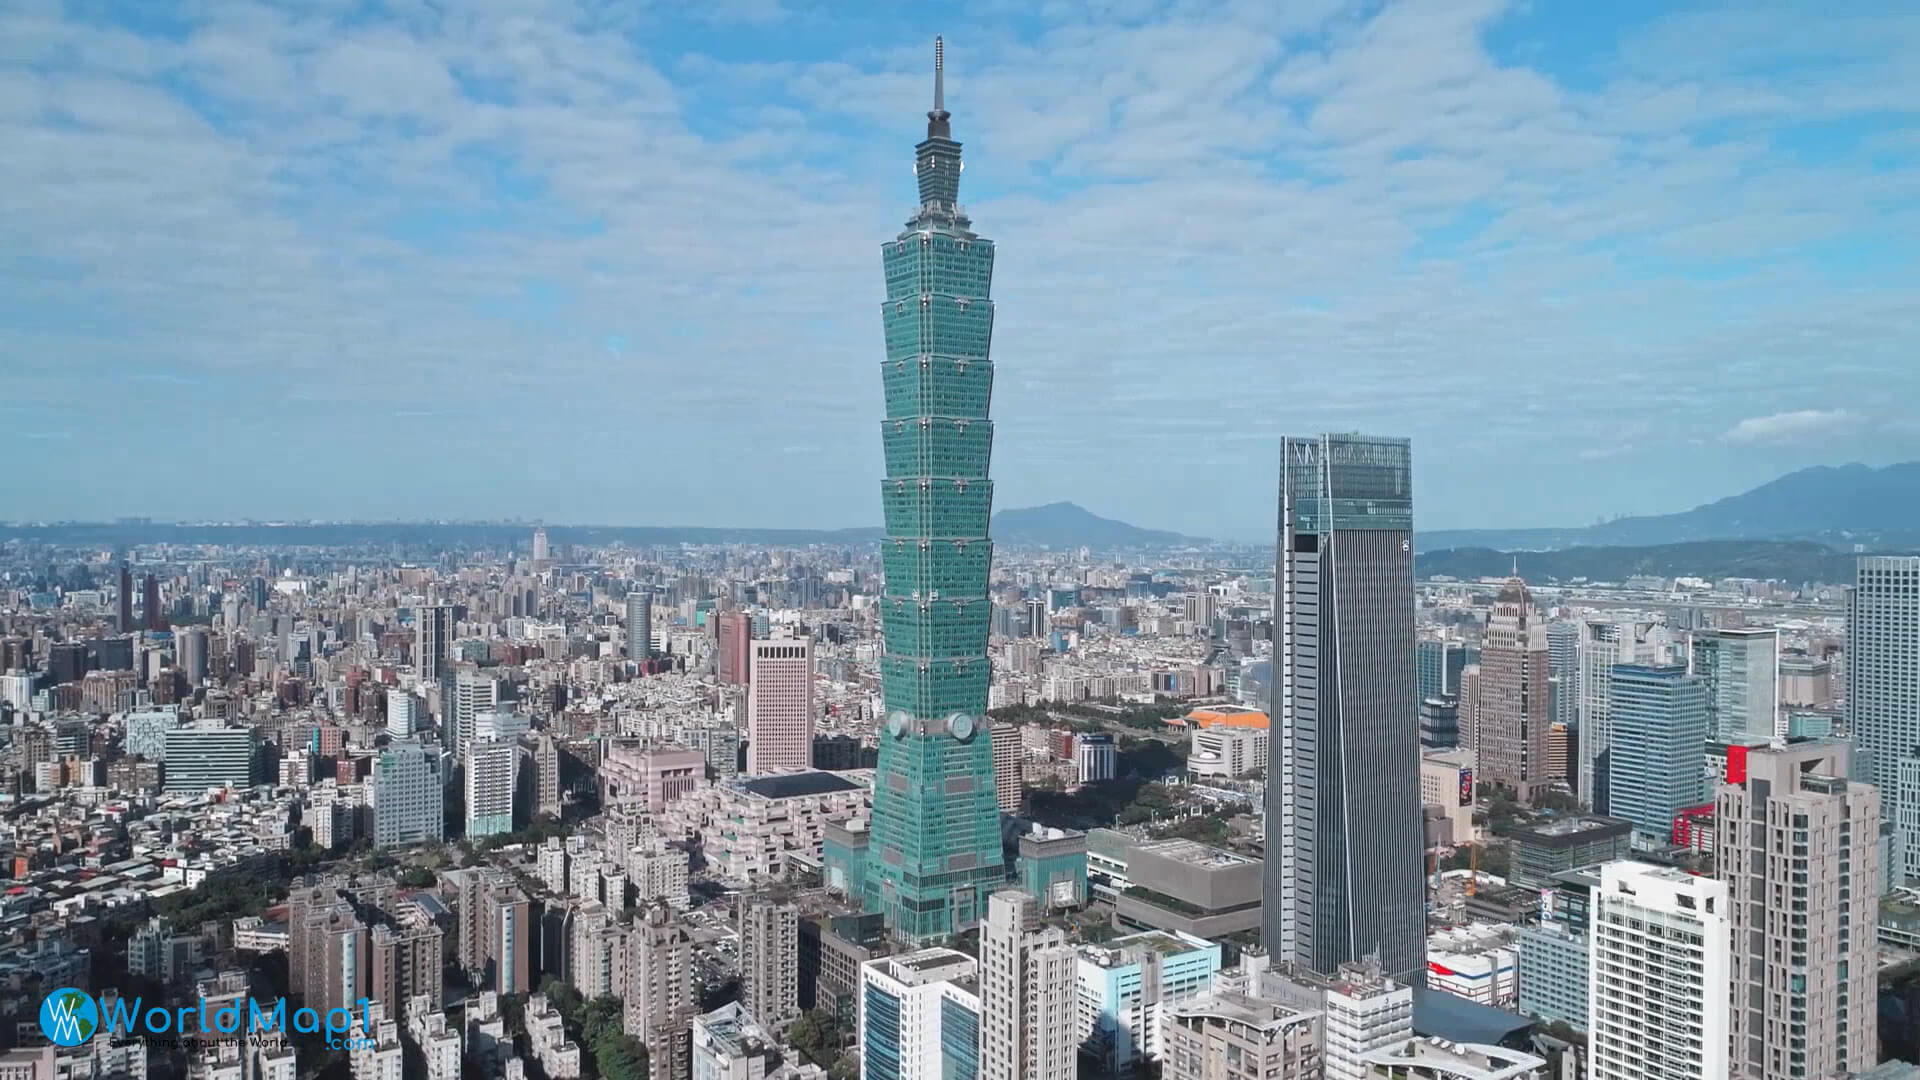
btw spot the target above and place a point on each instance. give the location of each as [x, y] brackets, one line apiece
[490, 219]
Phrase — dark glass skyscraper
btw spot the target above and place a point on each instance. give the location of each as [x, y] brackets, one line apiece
[934, 853]
[1343, 859]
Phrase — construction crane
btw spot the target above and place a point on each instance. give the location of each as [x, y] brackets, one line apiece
[1473, 868]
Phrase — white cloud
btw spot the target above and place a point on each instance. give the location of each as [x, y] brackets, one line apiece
[1211, 221]
[1789, 427]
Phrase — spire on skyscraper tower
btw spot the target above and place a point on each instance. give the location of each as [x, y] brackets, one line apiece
[937, 127]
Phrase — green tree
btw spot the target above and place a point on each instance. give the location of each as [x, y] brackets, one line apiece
[816, 1036]
[417, 877]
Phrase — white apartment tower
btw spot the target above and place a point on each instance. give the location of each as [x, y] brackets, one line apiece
[474, 692]
[780, 706]
[1028, 994]
[490, 770]
[1657, 988]
[403, 714]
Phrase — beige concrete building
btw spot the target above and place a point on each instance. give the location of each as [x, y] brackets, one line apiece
[770, 961]
[597, 953]
[660, 999]
[1447, 781]
[1227, 752]
[1439, 1059]
[1225, 1036]
[1028, 994]
[1009, 769]
[1798, 845]
[1512, 713]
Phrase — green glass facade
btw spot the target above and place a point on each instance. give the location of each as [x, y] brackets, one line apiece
[934, 854]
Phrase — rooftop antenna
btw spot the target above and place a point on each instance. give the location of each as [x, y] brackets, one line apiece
[939, 75]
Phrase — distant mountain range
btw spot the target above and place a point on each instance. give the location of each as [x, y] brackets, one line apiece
[1834, 505]
[1066, 525]
[1056, 525]
[1784, 560]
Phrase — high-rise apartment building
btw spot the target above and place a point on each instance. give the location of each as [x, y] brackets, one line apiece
[1741, 667]
[432, 639]
[541, 552]
[407, 961]
[1602, 645]
[1343, 862]
[1514, 714]
[734, 655]
[472, 887]
[1883, 688]
[770, 961]
[547, 795]
[640, 623]
[920, 1016]
[935, 841]
[780, 706]
[490, 771]
[474, 692]
[1797, 844]
[1028, 994]
[660, 998]
[1657, 766]
[328, 958]
[512, 936]
[1009, 769]
[1658, 998]
[597, 952]
[408, 796]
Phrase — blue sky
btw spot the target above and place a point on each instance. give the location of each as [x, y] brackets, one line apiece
[615, 262]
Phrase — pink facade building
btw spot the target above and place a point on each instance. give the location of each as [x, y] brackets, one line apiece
[651, 779]
[780, 706]
[735, 633]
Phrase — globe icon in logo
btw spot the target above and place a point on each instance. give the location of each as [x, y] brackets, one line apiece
[68, 1017]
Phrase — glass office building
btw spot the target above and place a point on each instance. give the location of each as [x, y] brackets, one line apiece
[1344, 835]
[934, 853]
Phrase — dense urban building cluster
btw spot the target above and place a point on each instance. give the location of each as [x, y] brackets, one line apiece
[923, 807]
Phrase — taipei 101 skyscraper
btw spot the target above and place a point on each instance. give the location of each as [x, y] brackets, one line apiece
[933, 855]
